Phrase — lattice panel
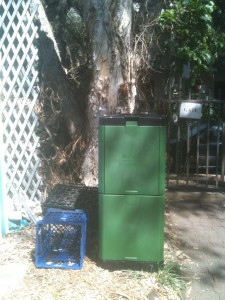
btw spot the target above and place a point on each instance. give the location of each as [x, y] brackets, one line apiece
[19, 92]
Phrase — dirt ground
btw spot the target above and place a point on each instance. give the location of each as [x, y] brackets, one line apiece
[21, 280]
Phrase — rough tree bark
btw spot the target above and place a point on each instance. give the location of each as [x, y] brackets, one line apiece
[61, 114]
[109, 24]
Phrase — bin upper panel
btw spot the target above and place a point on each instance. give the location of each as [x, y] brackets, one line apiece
[141, 119]
[132, 158]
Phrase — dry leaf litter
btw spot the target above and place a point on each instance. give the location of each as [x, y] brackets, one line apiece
[21, 280]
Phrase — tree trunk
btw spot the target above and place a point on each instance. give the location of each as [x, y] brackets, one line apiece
[113, 90]
[61, 113]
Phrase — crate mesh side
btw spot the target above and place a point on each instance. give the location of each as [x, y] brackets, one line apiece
[59, 244]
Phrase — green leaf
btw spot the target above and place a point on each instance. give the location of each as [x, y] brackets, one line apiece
[195, 29]
[206, 18]
[207, 57]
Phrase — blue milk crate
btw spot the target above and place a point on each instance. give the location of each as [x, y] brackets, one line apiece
[61, 239]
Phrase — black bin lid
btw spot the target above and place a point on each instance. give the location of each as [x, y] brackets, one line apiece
[141, 119]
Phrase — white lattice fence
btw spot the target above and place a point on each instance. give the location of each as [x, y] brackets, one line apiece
[19, 92]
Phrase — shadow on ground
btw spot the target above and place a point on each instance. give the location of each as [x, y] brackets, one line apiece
[197, 219]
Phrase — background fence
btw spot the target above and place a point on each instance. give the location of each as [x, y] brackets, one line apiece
[196, 147]
[18, 96]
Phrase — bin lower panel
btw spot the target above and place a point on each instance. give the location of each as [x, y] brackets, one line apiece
[131, 228]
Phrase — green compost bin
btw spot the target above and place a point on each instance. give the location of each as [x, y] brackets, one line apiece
[132, 156]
